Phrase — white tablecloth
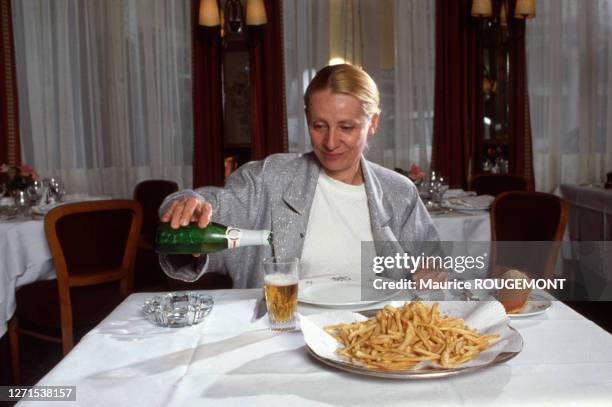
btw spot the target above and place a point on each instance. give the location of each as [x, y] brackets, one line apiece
[24, 258]
[590, 212]
[229, 361]
[464, 226]
[589, 220]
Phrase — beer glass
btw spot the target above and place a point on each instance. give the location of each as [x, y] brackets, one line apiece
[281, 291]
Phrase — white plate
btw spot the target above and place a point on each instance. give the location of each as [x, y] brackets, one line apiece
[335, 291]
[44, 208]
[536, 304]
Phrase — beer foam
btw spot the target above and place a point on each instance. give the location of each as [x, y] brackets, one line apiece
[280, 279]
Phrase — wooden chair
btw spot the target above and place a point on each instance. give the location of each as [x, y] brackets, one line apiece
[495, 184]
[520, 216]
[93, 245]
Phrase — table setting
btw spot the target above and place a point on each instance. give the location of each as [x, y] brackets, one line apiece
[439, 199]
[458, 215]
[36, 197]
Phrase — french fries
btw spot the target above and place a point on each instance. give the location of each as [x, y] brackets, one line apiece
[400, 338]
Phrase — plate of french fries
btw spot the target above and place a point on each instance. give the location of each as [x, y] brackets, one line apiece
[413, 340]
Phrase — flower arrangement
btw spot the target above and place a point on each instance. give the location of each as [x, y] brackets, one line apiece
[415, 173]
[17, 177]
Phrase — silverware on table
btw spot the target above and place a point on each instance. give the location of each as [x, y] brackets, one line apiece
[260, 309]
[468, 295]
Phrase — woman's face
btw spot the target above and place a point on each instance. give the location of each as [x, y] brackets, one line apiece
[339, 130]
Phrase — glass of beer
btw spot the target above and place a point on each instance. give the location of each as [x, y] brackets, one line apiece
[281, 291]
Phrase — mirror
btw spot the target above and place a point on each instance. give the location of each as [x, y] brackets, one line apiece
[493, 145]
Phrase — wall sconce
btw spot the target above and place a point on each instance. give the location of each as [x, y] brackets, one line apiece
[256, 12]
[525, 9]
[209, 13]
[234, 21]
[482, 8]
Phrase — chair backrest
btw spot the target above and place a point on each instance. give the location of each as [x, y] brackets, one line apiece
[495, 184]
[521, 216]
[94, 243]
[150, 194]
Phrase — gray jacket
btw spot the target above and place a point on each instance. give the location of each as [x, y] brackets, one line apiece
[276, 194]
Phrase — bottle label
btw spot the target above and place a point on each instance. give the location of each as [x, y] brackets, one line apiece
[233, 237]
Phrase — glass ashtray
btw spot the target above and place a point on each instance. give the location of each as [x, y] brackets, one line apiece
[178, 309]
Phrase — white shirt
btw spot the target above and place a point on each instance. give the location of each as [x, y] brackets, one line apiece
[339, 221]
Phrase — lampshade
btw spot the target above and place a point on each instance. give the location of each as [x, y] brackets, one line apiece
[482, 8]
[525, 9]
[256, 12]
[209, 13]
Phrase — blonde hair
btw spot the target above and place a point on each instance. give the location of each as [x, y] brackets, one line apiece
[349, 80]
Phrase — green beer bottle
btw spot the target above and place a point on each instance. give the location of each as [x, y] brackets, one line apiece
[213, 238]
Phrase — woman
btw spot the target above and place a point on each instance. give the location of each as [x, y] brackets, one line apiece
[320, 206]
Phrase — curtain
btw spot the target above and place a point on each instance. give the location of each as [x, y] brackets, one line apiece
[9, 117]
[105, 91]
[520, 152]
[458, 91]
[393, 41]
[267, 97]
[306, 50]
[207, 103]
[415, 67]
[569, 59]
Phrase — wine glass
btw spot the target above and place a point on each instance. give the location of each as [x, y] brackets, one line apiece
[442, 187]
[57, 189]
[21, 201]
[35, 192]
[2, 190]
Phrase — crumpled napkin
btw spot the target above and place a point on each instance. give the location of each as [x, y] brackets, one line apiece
[458, 193]
[472, 202]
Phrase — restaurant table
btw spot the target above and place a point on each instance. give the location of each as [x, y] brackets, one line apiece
[590, 212]
[589, 220]
[24, 258]
[230, 361]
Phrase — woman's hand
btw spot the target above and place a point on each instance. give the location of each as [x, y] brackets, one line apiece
[185, 210]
